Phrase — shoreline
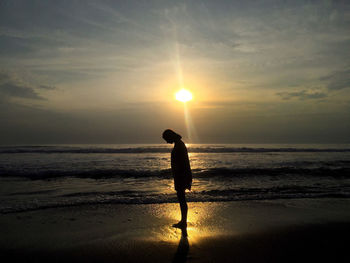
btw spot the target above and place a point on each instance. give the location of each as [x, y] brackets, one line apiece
[243, 231]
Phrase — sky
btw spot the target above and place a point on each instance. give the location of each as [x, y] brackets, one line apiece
[106, 71]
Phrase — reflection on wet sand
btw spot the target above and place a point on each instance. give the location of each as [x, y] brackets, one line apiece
[182, 249]
[203, 222]
[200, 224]
[195, 230]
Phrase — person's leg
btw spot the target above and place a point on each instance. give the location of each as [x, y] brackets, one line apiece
[183, 205]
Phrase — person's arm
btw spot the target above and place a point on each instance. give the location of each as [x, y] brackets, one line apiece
[182, 160]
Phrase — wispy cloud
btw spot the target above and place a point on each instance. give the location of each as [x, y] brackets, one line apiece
[45, 87]
[12, 87]
[302, 95]
[17, 91]
[338, 80]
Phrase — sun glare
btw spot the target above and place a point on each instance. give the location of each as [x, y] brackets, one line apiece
[183, 95]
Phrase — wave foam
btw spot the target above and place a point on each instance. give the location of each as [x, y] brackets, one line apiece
[153, 149]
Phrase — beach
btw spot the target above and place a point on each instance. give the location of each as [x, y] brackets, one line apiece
[294, 230]
[116, 203]
[174, 131]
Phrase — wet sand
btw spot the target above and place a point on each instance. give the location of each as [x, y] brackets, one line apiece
[305, 230]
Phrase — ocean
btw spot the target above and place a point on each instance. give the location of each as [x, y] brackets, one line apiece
[49, 176]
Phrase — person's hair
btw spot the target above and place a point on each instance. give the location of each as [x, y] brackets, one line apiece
[170, 135]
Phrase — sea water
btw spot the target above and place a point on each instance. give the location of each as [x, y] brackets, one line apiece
[47, 176]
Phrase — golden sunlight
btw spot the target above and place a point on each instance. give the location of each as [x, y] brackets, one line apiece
[183, 95]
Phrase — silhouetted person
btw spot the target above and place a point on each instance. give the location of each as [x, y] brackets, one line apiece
[181, 170]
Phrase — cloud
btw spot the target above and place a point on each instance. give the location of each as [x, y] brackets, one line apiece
[302, 95]
[6, 77]
[10, 87]
[338, 80]
[14, 90]
[46, 87]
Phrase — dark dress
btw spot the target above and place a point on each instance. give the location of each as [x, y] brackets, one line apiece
[180, 166]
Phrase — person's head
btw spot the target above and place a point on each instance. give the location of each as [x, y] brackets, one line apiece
[170, 136]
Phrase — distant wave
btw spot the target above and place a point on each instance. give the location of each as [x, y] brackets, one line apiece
[166, 173]
[137, 197]
[151, 149]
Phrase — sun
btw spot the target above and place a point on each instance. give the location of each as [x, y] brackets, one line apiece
[183, 95]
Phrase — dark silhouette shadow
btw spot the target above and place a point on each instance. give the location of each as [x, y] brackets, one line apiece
[182, 249]
[181, 171]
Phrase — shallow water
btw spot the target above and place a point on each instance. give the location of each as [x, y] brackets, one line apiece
[37, 177]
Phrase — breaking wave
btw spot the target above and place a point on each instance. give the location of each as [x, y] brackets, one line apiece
[160, 149]
[166, 173]
[137, 197]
